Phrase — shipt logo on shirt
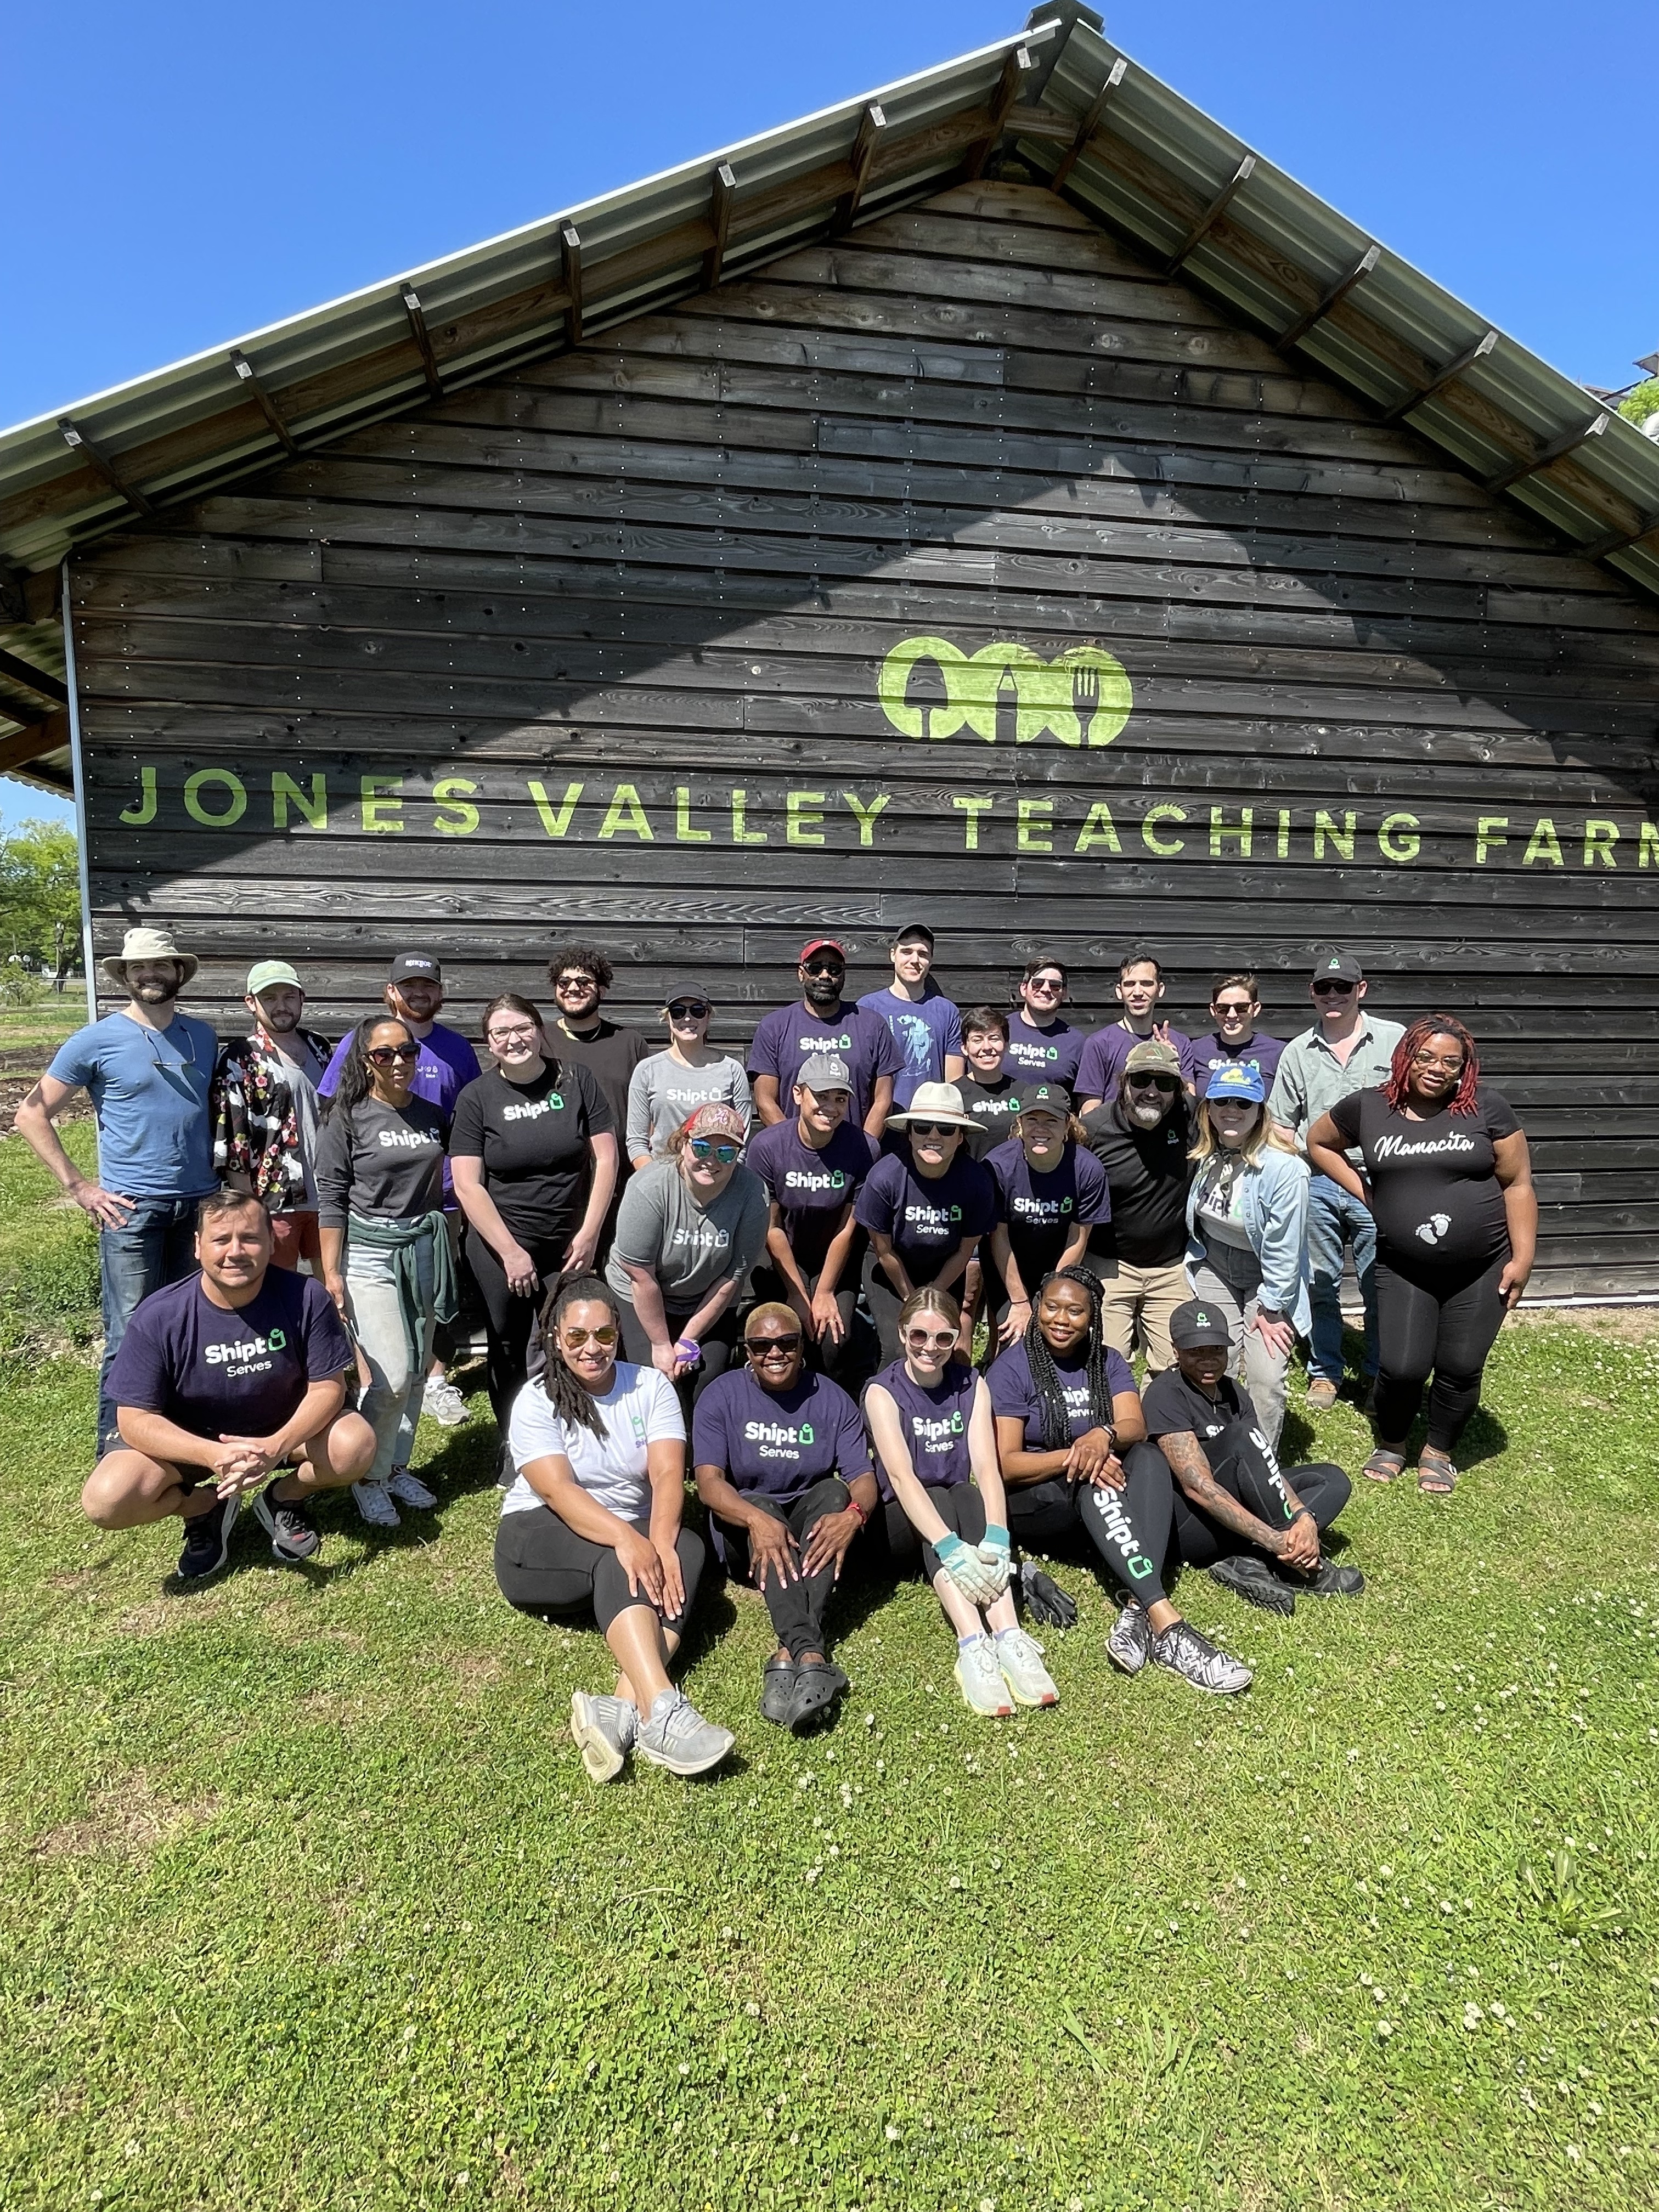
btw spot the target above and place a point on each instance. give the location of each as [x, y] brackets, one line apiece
[778, 1439]
[551, 1104]
[249, 1355]
[1041, 1209]
[806, 1179]
[806, 1046]
[936, 1435]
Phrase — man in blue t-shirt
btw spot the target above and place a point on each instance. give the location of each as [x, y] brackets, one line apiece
[221, 1379]
[821, 1022]
[927, 1028]
[147, 1069]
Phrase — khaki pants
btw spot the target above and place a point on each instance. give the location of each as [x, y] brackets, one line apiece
[1138, 1302]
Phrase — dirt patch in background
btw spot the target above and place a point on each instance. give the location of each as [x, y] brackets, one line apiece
[1624, 1324]
[125, 1821]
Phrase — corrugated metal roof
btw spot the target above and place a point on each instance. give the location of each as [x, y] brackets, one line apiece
[1153, 168]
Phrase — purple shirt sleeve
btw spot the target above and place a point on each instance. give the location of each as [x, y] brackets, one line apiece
[1120, 1375]
[764, 1046]
[876, 1206]
[138, 1374]
[853, 1454]
[1096, 1078]
[709, 1445]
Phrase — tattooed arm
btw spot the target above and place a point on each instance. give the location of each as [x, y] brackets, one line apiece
[1192, 1471]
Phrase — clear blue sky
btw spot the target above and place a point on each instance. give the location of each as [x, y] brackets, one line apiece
[184, 173]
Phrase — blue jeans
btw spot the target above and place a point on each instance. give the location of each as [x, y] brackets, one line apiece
[156, 1248]
[1335, 1219]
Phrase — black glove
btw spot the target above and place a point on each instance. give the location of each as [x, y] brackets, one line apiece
[1045, 1601]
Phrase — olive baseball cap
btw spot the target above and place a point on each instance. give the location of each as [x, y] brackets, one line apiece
[264, 974]
[1151, 1056]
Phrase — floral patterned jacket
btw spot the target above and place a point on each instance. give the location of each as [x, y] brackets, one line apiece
[256, 1130]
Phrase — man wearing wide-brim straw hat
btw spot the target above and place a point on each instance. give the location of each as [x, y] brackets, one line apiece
[147, 1069]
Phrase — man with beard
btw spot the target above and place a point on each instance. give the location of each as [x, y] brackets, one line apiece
[821, 1024]
[265, 1110]
[147, 1069]
[1140, 1137]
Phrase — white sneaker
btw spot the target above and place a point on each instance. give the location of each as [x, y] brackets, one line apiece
[373, 1501]
[409, 1490]
[605, 1730]
[675, 1734]
[443, 1402]
[1020, 1658]
[980, 1679]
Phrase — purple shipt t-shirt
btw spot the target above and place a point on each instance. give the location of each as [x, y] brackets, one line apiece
[1014, 1396]
[1100, 1070]
[787, 1038]
[1051, 1054]
[810, 1188]
[934, 1423]
[1262, 1052]
[927, 1220]
[1039, 1211]
[779, 1443]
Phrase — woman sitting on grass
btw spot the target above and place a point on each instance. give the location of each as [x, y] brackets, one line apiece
[929, 1417]
[592, 1522]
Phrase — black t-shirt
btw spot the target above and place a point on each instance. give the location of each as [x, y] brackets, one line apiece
[1437, 1202]
[233, 1373]
[994, 1106]
[532, 1140]
[1148, 1172]
[383, 1162]
[611, 1054]
[1226, 1426]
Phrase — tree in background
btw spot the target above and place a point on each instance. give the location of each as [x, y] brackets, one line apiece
[40, 900]
[1641, 404]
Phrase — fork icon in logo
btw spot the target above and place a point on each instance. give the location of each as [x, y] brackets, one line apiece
[1085, 700]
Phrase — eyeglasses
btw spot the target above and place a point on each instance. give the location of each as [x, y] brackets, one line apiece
[705, 1148]
[573, 1339]
[933, 1129]
[762, 1347]
[1451, 1062]
[576, 983]
[1048, 984]
[384, 1054]
[919, 1340]
[508, 1036]
[688, 1010]
[1168, 1084]
[1332, 990]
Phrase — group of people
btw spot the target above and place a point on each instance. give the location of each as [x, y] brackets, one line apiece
[882, 1276]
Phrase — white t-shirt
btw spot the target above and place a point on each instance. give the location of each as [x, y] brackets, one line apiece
[640, 1408]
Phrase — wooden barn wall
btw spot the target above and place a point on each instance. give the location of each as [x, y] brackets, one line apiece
[598, 648]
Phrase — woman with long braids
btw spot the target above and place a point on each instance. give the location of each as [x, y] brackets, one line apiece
[1072, 1443]
[591, 1524]
[387, 1262]
[1449, 1177]
[929, 1418]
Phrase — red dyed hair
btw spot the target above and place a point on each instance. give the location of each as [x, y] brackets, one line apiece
[1426, 1026]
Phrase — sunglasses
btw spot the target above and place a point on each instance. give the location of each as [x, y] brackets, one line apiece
[1046, 983]
[705, 1148]
[575, 983]
[688, 1010]
[1332, 990]
[919, 1339]
[934, 1129]
[762, 1347]
[1170, 1084]
[824, 968]
[384, 1054]
[573, 1339]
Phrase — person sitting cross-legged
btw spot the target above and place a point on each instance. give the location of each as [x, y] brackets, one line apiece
[782, 1466]
[220, 1379]
[1255, 1525]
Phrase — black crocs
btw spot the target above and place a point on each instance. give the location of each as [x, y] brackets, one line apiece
[818, 1685]
[778, 1681]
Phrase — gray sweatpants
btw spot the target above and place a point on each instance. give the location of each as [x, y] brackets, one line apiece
[1230, 1277]
[391, 1404]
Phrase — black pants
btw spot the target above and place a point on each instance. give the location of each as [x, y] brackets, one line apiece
[797, 1608]
[838, 1361]
[1446, 1325]
[542, 1566]
[718, 1344]
[508, 1320]
[1199, 1541]
[1129, 1527]
[885, 1303]
[958, 1505]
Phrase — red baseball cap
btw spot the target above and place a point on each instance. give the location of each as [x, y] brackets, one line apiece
[822, 944]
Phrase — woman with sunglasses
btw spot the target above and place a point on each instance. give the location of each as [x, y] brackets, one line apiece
[1051, 1191]
[1246, 1225]
[926, 1207]
[1447, 1176]
[929, 1418]
[593, 1524]
[1072, 1439]
[533, 1157]
[690, 1229]
[666, 1090]
[386, 1256]
[782, 1466]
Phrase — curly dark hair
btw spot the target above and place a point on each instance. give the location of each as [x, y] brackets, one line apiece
[588, 957]
[565, 1391]
[1462, 1101]
[1045, 1377]
[354, 1078]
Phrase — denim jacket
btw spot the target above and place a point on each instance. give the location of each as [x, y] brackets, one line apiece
[1275, 1215]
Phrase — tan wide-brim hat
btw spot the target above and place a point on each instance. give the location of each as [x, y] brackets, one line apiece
[145, 944]
[935, 1102]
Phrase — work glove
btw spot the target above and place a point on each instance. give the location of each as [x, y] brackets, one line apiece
[968, 1570]
[997, 1555]
[1045, 1601]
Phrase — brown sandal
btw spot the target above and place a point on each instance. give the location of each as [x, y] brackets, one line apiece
[1383, 1466]
[1435, 1475]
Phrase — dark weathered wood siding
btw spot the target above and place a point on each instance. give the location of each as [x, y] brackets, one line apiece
[657, 579]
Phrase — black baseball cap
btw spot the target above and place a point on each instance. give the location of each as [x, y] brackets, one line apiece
[1197, 1324]
[1338, 968]
[911, 929]
[1052, 1097]
[416, 967]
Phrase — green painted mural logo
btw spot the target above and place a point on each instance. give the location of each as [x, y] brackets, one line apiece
[930, 688]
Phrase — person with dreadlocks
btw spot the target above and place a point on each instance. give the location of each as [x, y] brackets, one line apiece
[1449, 1177]
[1072, 1443]
[593, 1524]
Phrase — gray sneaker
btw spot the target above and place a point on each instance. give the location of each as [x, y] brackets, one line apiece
[1130, 1644]
[1196, 1660]
[605, 1730]
[675, 1734]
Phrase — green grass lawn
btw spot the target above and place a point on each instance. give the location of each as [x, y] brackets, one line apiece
[312, 1905]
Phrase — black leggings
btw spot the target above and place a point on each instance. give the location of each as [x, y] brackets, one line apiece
[718, 1342]
[508, 1320]
[542, 1566]
[1129, 1527]
[958, 1505]
[1448, 1330]
[797, 1608]
[1199, 1541]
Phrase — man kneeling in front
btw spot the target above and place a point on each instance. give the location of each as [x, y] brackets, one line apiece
[220, 1380]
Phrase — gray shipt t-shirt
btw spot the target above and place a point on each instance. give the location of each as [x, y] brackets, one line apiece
[662, 1094]
[689, 1248]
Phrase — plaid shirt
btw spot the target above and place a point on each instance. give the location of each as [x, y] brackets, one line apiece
[256, 1130]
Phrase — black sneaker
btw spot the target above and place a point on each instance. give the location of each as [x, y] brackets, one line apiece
[1326, 1580]
[1254, 1580]
[206, 1540]
[293, 1532]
